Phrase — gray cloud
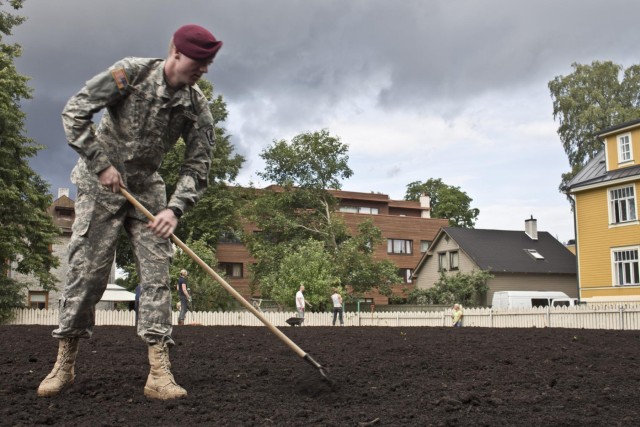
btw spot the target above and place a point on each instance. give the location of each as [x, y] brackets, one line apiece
[294, 66]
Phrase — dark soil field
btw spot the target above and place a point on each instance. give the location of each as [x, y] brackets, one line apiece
[242, 376]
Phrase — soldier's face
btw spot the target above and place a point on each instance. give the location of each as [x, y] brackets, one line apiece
[190, 70]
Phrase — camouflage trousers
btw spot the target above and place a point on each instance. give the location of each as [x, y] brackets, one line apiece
[91, 252]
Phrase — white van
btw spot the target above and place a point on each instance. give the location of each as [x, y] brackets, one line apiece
[529, 299]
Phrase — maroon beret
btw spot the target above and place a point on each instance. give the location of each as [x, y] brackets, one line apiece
[196, 42]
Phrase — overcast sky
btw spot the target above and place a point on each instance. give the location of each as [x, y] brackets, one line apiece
[418, 89]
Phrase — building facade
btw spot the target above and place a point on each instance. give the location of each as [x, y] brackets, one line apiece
[526, 260]
[605, 198]
[63, 213]
[406, 227]
[407, 231]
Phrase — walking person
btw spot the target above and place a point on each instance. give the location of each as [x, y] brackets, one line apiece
[336, 299]
[185, 298]
[147, 105]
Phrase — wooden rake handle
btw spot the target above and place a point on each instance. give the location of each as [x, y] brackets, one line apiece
[277, 332]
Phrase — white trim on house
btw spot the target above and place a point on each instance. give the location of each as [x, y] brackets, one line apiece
[614, 182]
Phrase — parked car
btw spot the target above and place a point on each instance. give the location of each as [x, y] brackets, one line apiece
[564, 302]
[529, 299]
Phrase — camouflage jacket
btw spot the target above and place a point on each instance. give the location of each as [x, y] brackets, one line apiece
[143, 119]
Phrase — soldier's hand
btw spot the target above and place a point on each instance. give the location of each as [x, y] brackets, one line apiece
[111, 178]
[164, 224]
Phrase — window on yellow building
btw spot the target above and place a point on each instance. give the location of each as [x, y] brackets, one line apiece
[624, 148]
[622, 203]
[626, 267]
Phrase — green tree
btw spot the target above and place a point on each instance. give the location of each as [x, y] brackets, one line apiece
[301, 210]
[26, 230]
[207, 293]
[306, 167]
[305, 264]
[468, 289]
[355, 265]
[588, 100]
[216, 212]
[312, 160]
[447, 202]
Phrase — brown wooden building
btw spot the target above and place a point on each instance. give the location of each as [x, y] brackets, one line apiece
[406, 227]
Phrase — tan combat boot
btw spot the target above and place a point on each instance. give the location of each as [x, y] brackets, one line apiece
[160, 383]
[63, 372]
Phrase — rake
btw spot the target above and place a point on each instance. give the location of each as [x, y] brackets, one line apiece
[235, 294]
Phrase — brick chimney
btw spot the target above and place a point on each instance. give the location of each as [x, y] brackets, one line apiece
[531, 228]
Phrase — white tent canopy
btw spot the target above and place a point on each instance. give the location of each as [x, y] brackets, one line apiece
[117, 293]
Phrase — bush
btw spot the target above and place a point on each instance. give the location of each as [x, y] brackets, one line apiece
[10, 298]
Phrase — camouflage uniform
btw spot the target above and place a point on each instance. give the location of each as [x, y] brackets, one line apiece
[143, 118]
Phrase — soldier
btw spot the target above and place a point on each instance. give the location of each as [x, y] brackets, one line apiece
[148, 104]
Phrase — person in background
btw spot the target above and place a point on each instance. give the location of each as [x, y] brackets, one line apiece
[301, 303]
[457, 315]
[136, 305]
[145, 106]
[185, 298]
[336, 299]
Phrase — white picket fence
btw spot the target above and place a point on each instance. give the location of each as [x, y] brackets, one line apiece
[612, 316]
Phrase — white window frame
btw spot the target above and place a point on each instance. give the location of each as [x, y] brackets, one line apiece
[625, 148]
[368, 211]
[360, 210]
[442, 261]
[626, 205]
[235, 268]
[399, 246]
[625, 270]
[424, 246]
[535, 254]
[406, 274]
[348, 209]
[36, 298]
[454, 260]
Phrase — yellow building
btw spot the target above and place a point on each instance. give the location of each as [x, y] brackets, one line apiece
[605, 197]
